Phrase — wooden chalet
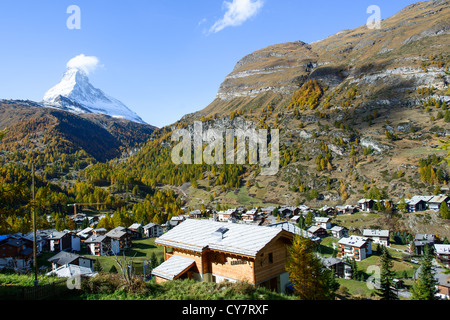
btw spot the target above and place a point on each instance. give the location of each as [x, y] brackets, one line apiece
[16, 249]
[212, 251]
[317, 231]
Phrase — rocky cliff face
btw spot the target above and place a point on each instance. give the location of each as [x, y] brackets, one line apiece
[395, 56]
[379, 112]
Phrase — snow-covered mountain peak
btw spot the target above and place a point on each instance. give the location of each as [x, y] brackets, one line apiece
[76, 94]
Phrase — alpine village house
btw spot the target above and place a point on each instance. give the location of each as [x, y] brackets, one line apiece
[214, 252]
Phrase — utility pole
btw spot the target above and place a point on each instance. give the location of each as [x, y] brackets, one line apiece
[36, 282]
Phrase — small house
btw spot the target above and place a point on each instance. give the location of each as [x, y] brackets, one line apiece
[377, 236]
[99, 231]
[340, 268]
[70, 271]
[348, 209]
[435, 202]
[324, 222]
[286, 211]
[17, 250]
[416, 204]
[339, 232]
[421, 240]
[63, 258]
[121, 239]
[442, 252]
[85, 233]
[227, 215]
[329, 211]
[60, 241]
[317, 231]
[250, 215]
[366, 205]
[136, 230]
[195, 214]
[153, 230]
[99, 245]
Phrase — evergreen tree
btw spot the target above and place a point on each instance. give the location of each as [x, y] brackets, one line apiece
[386, 291]
[97, 266]
[355, 271]
[425, 287]
[443, 210]
[153, 261]
[301, 222]
[113, 269]
[312, 281]
[309, 219]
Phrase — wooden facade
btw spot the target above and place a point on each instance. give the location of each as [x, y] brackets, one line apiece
[266, 269]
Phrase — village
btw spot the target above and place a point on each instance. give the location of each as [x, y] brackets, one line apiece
[235, 245]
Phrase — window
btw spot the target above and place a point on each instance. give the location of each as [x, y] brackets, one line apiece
[270, 258]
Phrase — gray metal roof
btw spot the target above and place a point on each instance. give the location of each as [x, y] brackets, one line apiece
[354, 241]
[172, 267]
[199, 235]
[375, 233]
[442, 248]
[64, 258]
[117, 232]
[96, 239]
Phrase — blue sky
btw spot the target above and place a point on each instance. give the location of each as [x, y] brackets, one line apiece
[162, 58]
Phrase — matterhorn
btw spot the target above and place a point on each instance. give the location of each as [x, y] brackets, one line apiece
[76, 94]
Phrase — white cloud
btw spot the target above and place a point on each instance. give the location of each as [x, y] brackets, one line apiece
[85, 63]
[237, 12]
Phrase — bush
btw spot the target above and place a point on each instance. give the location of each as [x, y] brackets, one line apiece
[103, 283]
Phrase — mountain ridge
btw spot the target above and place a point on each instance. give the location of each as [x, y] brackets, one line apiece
[379, 107]
[76, 94]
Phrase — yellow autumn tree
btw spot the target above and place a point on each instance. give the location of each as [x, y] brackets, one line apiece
[311, 280]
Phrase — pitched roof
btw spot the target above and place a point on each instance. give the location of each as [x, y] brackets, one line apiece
[173, 267]
[199, 235]
[70, 270]
[322, 219]
[375, 233]
[64, 258]
[117, 232]
[438, 199]
[331, 261]
[354, 241]
[313, 229]
[442, 248]
[57, 235]
[292, 228]
[96, 239]
[417, 199]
